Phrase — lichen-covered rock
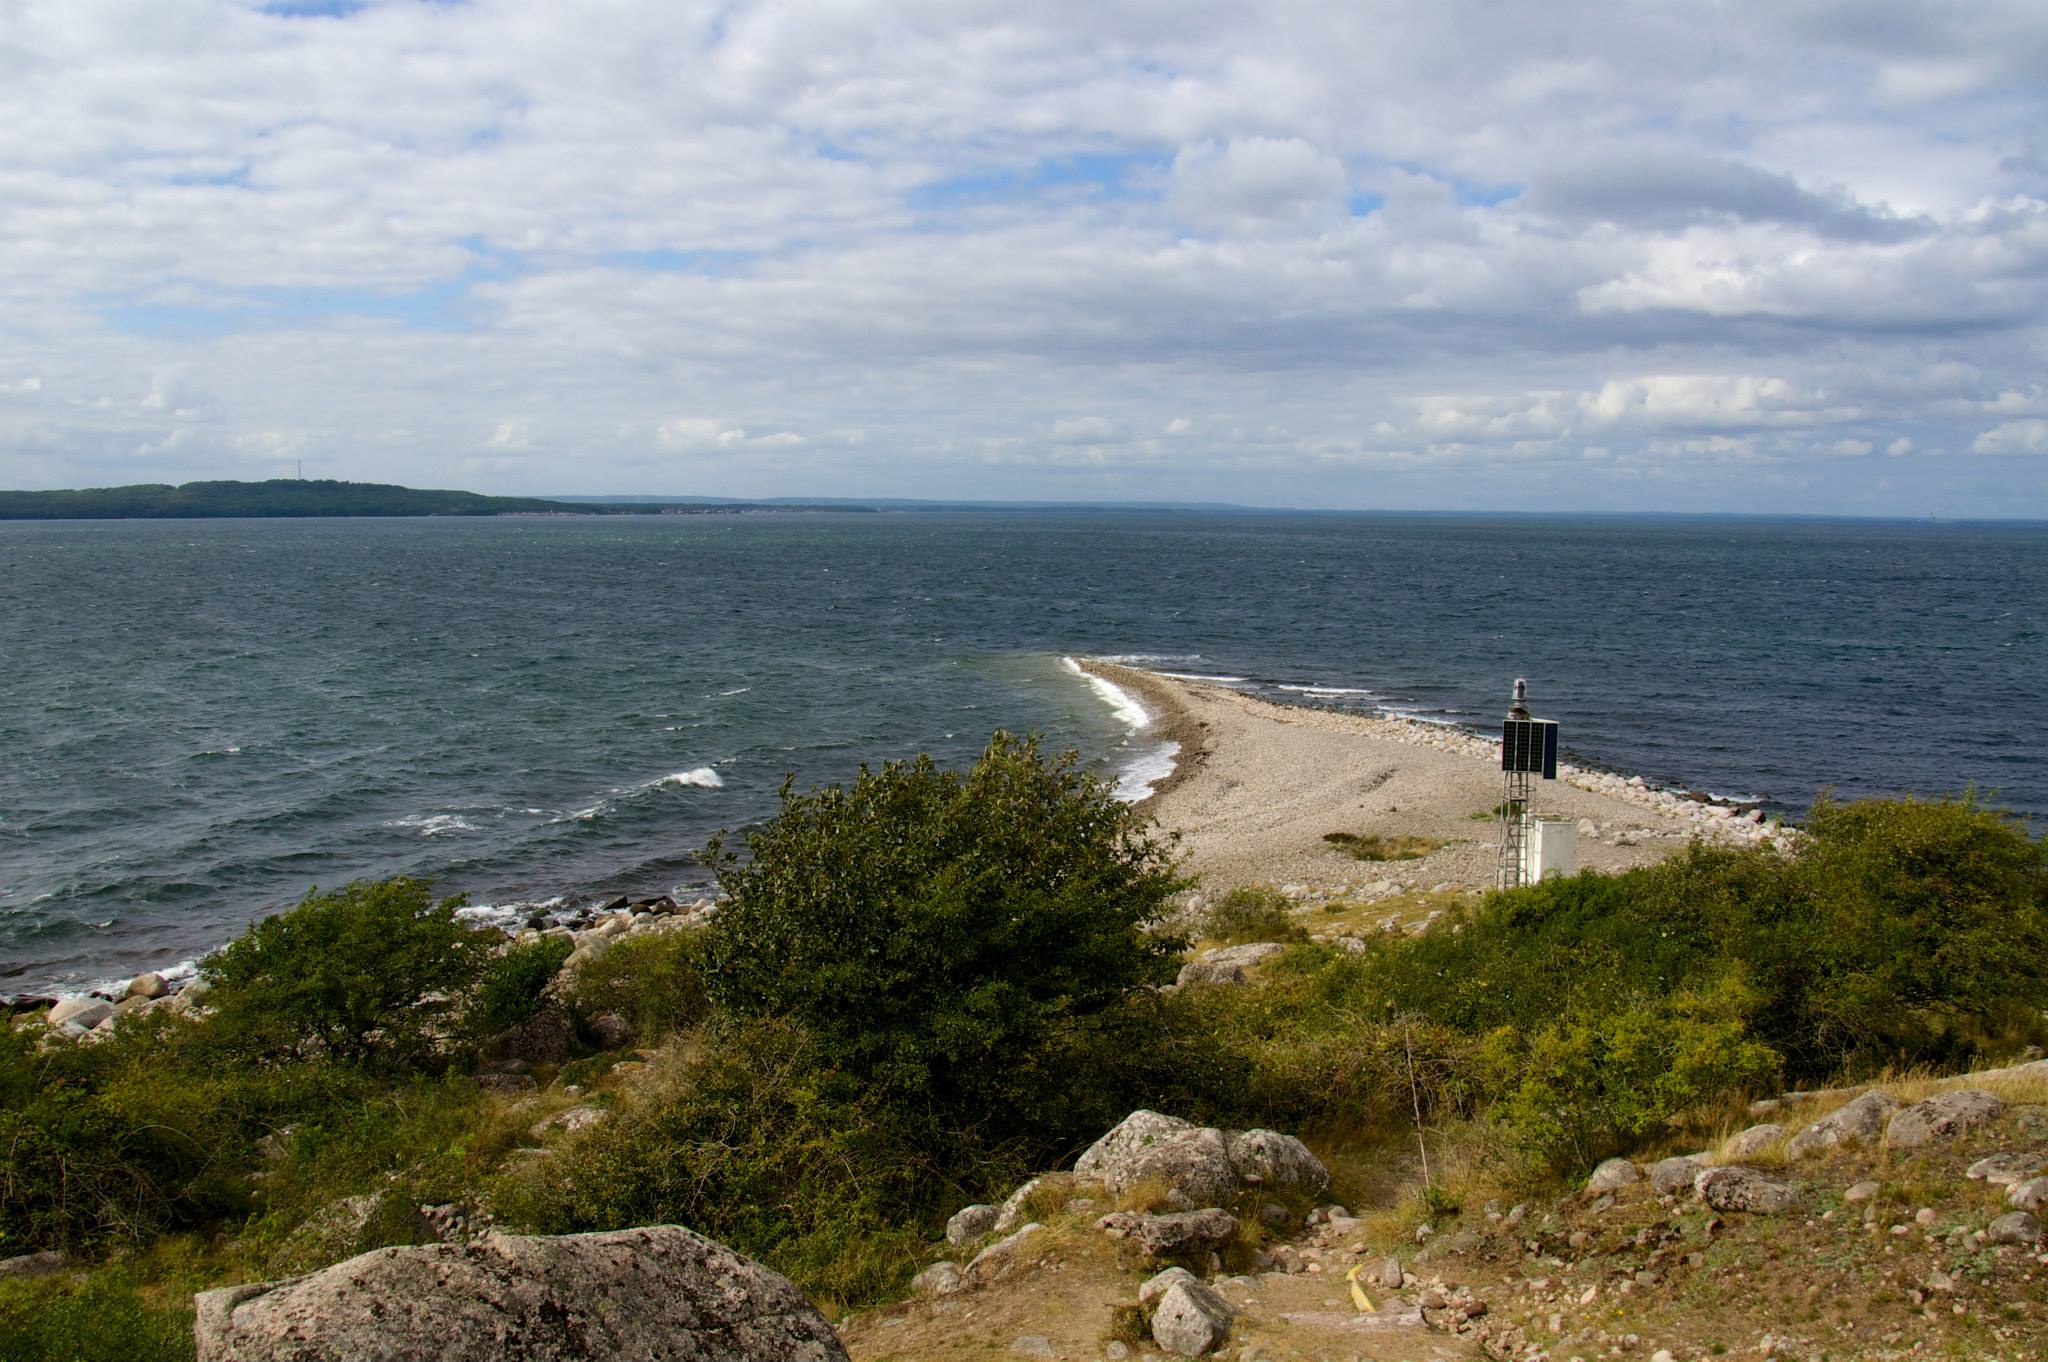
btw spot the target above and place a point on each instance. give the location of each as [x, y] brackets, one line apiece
[1942, 1117]
[1155, 1286]
[940, 1279]
[1860, 1122]
[80, 1013]
[2018, 1227]
[1226, 964]
[2003, 1170]
[1191, 1319]
[970, 1223]
[662, 1292]
[1164, 1236]
[2028, 1195]
[1669, 1177]
[1752, 1142]
[1735, 1188]
[1001, 1258]
[1612, 1174]
[1267, 1158]
[1192, 1162]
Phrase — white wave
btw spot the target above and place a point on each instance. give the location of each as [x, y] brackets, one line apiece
[1144, 771]
[433, 824]
[1120, 701]
[597, 810]
[1437, 720]
[737, 690]
[703, 778]
[1326, 690]
[1201, 676]
[509, 916]
[1135, 659]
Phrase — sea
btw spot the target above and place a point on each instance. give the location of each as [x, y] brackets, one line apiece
[202, 721]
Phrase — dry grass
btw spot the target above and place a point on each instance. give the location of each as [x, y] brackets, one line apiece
[1378, 847]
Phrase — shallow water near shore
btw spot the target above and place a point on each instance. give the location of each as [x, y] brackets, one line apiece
[205, 719]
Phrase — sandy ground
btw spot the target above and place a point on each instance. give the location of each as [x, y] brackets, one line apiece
[1258, 785]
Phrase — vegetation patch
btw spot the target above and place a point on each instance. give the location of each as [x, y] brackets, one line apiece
[1377, 847]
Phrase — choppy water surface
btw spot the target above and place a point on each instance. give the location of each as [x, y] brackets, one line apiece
[202, 720]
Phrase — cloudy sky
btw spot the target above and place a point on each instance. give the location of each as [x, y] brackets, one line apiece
[1789, 255]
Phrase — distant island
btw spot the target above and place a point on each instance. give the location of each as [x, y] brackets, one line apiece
[320, 497]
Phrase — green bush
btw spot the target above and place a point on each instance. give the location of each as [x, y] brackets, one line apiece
[514, 985]
[760, 1145]
[1252, 913]
[938, 932]
[1592, 1084]
[369, 972]
[655, 981]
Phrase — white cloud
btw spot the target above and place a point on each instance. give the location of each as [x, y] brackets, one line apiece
[1247, 251]
[2014, 437]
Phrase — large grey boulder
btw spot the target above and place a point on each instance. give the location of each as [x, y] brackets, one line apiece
[663, 1292]
[1166, 1236]
[1001, 1258]
[1226, 964]
[1192, 1162]
[1735, 1188]
[1669, 1177]
[1752, 1142]
[1942, 1117]
[940, 1279]
[970, 1223]
[1155, 1286]
[2015, 1228]
[1266, 1158]
[82, 1013]
[1613, 1174]
[1191, 1319]
[2029, 1195]
[1858, 1123]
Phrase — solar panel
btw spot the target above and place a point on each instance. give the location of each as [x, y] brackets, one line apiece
[1529, 745]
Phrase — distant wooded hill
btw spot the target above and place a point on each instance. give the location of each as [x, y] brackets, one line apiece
[278, 497]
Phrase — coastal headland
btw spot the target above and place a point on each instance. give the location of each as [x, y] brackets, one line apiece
[1257, 786]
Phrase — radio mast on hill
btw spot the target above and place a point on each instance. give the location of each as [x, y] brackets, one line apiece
[1529, 848]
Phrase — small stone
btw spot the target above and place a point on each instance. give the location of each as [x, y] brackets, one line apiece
[970, 1223]
[1861, 1191]
[1924, 1216]
[1391, 1275]
[2030, 1195]
[940, 1279]
[1032, 1345]
[1736, 1188]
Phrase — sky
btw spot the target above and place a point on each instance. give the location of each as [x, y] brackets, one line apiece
[1786, 256]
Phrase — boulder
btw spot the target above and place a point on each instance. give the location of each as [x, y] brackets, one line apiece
[150, 985]
[1941, 1118]
[566, 1122]
[1735, 1188]
[1752, 1142]
[1669, 1177]
[1226, 964]
[1012, 1212]
[1612, 1174]
[659, 1292]
[83, 1013]
[1165, 1236]
[940, 1279]
[1193, 1162]
[1155, 1285]
[1191, 1319]
[2017, 1227]
[2003, 1170]
[999, 1259]
[1267, 1158]
[609, 1030]
[42, 1264]
[970, 1223]
[2030, 1195]
[1858, 1123]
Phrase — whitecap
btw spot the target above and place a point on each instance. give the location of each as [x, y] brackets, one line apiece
[433, 824]
[1139, 776]
[1213, 680]
[737, 690]
[703, 777]
[1326, 690]
[1121, 702]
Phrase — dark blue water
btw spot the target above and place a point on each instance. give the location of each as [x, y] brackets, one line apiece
[202, 720]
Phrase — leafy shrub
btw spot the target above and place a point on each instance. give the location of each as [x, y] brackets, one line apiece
[655, 981]
[1589, 1085]
[760, 1145]
[514, 985]
[1252, 913]
[367, 972]
[937, 932]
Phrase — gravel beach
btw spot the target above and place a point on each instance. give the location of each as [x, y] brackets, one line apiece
[1257, 785]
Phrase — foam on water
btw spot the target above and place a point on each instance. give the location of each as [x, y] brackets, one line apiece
[1120, 701]
[433, 824]
[1325, 690]
[703, 778]
[1137, 778]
